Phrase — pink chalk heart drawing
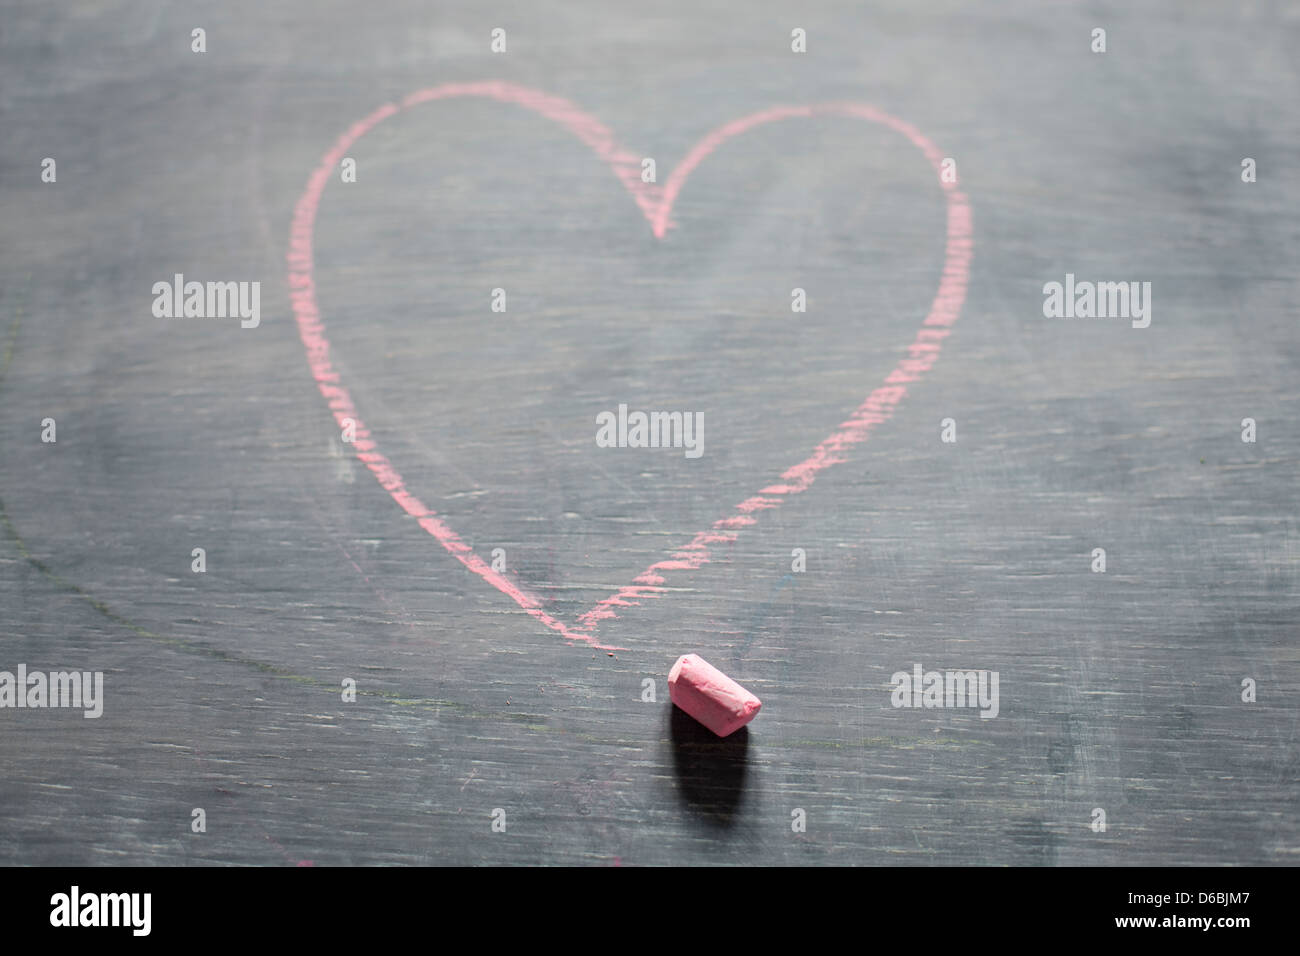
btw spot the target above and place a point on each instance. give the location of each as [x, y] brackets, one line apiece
[656, 204]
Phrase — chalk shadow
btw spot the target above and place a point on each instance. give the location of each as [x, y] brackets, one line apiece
[711, 770]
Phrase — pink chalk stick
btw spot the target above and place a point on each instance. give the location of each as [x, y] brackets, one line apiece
[710, 696]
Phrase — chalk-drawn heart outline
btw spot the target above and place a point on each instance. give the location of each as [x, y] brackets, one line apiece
[656, 205]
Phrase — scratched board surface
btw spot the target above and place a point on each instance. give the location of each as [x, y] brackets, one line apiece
[920, 471]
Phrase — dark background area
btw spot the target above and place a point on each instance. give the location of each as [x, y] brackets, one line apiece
[1119, 691]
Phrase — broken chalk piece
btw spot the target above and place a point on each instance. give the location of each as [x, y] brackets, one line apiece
[710, 696]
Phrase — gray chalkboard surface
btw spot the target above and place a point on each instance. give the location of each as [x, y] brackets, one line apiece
[447, 640]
